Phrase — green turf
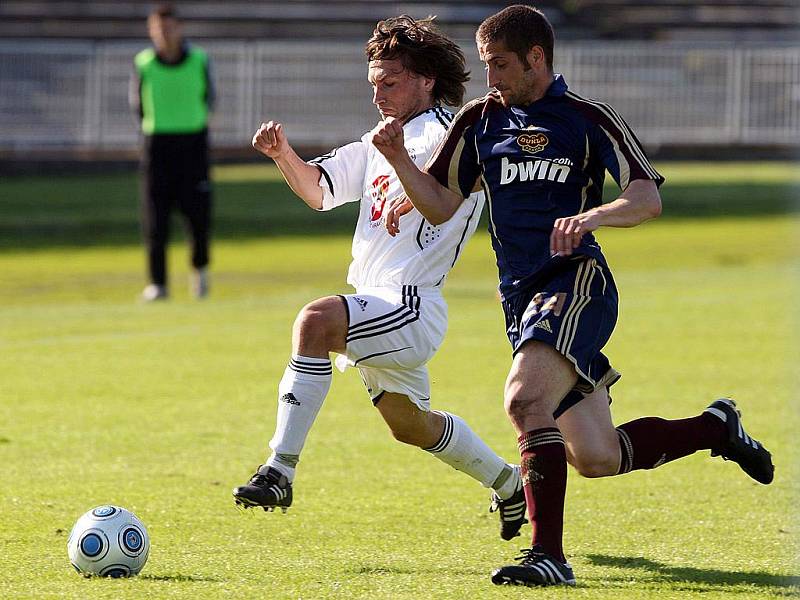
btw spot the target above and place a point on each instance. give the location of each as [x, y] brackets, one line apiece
[163, 408]
[252, 201]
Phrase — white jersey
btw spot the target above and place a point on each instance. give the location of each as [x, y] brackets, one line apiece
[420, 254]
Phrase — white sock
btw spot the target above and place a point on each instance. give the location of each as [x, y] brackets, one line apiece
[507, 483]
[462, 449]
[302, 390]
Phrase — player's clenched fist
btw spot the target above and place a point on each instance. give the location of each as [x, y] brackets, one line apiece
[270, 139]
[387, 138]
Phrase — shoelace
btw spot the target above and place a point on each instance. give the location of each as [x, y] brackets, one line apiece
[529, 556]
[258, 479]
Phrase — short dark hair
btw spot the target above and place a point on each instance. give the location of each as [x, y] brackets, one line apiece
[424, 50]
[519, 28]
[164, 10]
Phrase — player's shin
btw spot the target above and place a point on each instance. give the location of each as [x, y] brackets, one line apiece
[462, 449]
[650, 442]
[544, 478]
[301, 392]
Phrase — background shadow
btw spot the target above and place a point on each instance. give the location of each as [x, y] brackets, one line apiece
[706, 576]
[95, 210]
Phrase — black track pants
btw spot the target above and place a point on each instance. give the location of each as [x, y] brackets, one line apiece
[175, 175]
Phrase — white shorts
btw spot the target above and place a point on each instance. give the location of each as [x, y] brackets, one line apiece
[391, 335]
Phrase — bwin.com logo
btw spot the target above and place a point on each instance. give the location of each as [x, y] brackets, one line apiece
[290, 399]
[533, 170]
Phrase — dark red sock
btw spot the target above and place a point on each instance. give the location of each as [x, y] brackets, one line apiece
[544, 477]
[650, 442]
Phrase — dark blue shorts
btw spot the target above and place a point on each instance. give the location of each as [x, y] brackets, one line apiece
[574, 310]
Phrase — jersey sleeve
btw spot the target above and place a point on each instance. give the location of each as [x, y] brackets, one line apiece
[211, 90]
[455, 164]
[618, 149]
[135, 93]
[342, 174]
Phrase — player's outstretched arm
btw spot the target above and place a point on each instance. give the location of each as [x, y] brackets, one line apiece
[270, 140]
[436, 203]
[638, 202]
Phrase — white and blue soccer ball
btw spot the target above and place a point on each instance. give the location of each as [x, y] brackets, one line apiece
[108, 541]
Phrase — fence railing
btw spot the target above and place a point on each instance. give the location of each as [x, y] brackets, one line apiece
[73, 95]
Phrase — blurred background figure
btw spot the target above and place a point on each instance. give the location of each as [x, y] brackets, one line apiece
[172, 93]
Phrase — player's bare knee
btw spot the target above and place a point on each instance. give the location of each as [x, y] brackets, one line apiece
[315, 326]
[520, 406]
[311, 316]
[310, 323]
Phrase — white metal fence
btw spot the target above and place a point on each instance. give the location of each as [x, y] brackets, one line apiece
[73, 95]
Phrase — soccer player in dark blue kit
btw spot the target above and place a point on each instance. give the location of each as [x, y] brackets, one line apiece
[540, 153]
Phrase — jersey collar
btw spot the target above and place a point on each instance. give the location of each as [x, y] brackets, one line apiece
[184, 53]
[422, 112]
[558, 87]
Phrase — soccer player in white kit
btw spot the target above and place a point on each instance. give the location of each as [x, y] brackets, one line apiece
[394, 323]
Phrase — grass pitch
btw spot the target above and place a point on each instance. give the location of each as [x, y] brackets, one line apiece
[163, 408]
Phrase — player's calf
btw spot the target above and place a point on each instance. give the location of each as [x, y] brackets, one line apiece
[600, 465]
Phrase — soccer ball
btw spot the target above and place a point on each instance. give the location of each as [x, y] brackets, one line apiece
[108, 541]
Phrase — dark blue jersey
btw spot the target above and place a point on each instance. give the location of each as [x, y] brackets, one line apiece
[537, 163]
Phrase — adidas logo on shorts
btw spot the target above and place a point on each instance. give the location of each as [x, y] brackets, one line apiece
[361, 302]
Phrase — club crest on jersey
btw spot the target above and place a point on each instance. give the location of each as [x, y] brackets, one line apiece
[379, 191]
[532, 142]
